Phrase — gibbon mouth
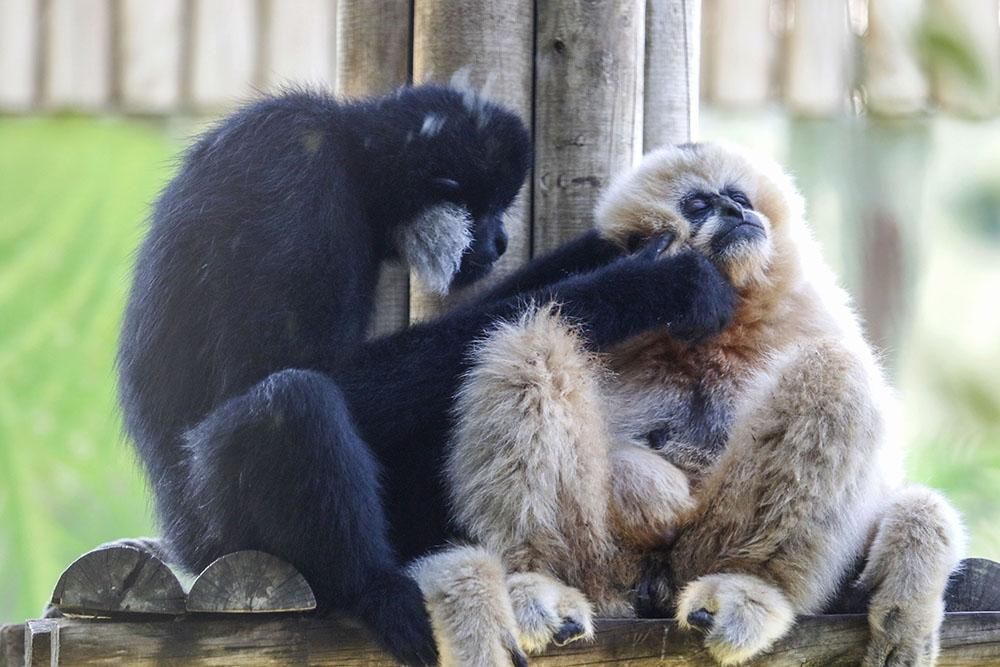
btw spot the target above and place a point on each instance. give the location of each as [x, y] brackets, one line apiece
[747, 230]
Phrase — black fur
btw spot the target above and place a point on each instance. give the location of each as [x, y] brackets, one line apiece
[264, 419]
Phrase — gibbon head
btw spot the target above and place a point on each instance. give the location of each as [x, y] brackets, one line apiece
[458, 162]
[735, 209]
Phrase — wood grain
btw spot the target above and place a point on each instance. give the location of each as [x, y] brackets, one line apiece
[818, 641]
[250, 582]
[373, 57]
[673, 49]
[588, 109]
[119, 578]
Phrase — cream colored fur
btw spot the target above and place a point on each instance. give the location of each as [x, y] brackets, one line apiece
[547, 468]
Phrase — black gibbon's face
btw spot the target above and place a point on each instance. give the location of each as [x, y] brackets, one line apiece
[474, 157]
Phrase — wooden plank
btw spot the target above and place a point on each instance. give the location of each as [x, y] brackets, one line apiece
[224, 61]
[965, 58]
[818, 641]
[740, 49]
[490, 43]
[976, 587]
[588, 109]
[299, 46]
[19, 56]
[673, 46]
[250, 582]
[818, 57]
[373, 57]
[151, 55]
[124, 577]
[894, 79]
[78, 54]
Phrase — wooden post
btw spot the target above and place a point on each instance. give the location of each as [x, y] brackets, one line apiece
[373, 57]
[817, 77]
[739, 52]
[78, 62]
[19, 34]
[670, 101]
[151, 55]
[224, 62]
[588, 109]
[489, 45]
[299, 43]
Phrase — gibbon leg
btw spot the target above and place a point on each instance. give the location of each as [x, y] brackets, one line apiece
[918, 543]
[465, 590]
[528, 468]
[282, 468]
[783, 514]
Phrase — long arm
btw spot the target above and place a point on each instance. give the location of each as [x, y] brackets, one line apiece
[585, 253]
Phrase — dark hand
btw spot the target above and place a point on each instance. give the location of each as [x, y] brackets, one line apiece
[654, 593]
[701, 300]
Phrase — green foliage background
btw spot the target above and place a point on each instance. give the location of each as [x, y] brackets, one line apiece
[73, 196]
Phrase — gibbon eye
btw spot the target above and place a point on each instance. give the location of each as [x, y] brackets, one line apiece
[446, 185]
[740, 198]
[696, 205]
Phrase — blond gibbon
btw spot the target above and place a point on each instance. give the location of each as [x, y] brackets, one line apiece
[736, 480]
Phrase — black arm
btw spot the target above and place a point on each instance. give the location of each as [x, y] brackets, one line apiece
[585, 253]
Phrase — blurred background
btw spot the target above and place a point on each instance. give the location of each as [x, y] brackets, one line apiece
[885, 111]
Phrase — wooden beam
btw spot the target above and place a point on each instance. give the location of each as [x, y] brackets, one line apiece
[588, 109]
[894, 81]
[739, 52]
[224, 61]
[967, 640]
[78, 54]
[818, 58]
[673, 49]
[298, 44]
[489, 44]
[373, 57]
[19, 33]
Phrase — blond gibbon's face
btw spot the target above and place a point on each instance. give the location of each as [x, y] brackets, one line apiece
[708, 197]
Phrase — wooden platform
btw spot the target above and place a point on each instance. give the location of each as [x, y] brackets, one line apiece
[968, 639]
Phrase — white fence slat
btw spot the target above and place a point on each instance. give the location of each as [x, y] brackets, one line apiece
[894, 80]
[741, 48]
[300, 43]
[18, 53]
[818, 58]
[78, 62]
[151, 56]
[224, 61]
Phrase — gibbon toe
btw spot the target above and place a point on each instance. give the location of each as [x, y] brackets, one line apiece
[904, 636]
[548, 612]
[740, 615]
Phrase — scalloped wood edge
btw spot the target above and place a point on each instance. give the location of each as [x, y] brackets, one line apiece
[250, 582]
[123, 577]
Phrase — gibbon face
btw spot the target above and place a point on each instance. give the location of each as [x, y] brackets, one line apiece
[708, 197]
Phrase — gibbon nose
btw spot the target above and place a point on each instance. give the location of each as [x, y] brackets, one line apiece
[730, 210]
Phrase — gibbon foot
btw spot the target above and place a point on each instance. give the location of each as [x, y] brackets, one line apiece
[741, 615]
[466, 595]
[903, 637]
[548, 611]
